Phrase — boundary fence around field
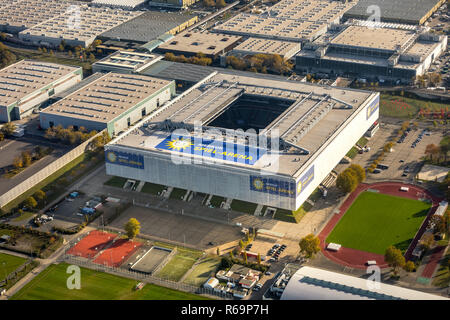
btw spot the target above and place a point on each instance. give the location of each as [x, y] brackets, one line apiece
[46, 172]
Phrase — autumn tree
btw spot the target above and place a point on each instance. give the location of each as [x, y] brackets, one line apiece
[394, 258]
[309, 245]
[8, 128]
[359, 172]
[347, 180]
[30, 202]
[132, 228]
[18, 162]
[26, 157]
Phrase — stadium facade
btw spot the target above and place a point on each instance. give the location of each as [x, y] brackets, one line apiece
[303, 132]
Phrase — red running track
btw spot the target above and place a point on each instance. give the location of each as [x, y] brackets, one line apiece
[434, 261]
[90, 245]
[356, 258]
[117, 253]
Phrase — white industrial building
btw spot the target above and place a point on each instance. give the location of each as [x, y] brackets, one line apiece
[113, 102]
[125, 62]
[125, 4]
[26, 84]
[304, 130]
[78, 26]
[317, 284]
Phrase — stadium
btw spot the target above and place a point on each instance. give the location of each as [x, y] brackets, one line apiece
[270, 142]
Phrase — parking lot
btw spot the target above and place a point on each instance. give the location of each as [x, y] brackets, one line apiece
[176, 227]
[402, 156]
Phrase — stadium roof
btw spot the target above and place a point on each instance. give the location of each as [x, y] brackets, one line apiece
[25, 77]
[107, 97]
[148, 26]
[316, 284]
[398, 10]
[315, 115]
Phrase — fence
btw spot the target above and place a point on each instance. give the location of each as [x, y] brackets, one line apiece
[44, 173]
[128, 273]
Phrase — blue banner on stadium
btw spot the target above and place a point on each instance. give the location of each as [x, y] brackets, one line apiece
[305, 180]
[212, 149]
[125, 159]
[373, 107]
[272, 186]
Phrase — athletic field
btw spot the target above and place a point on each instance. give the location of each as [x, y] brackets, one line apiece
[51, 285]
[376, 221]
[8, 264]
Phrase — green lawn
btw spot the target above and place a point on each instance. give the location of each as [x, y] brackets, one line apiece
[51, 285]
[376, 221]
[243, 206]
[153, 188]
[216, 201]
[24, 216]
[289, 215]
[352, 153]
[182, 261]
[203, 271]
[177, 193]
[116, 182]
[9, 263]
[403, 107]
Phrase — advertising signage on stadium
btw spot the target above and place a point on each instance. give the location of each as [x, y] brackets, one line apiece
[272, 186]
[215, 149]
[305, 180]
[125, 159]
[373, 107]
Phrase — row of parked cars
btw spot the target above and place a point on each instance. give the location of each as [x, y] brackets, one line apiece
[403, 136]
[275, 251]
[419, 138]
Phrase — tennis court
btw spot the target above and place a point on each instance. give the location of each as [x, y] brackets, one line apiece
[92, 244]
[117, 252]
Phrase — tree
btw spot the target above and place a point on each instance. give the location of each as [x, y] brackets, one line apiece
[359, 172]
[18, 162]
[347, 180]
[410, 266]
[2, 136]
[26, 157]
[220, 4]
[91, 58]
[394, 258]
[259, 258]
[8, 128]
[30, 202]
[431, 150]
[427, 240]
[309, 245]
[132, 228]
[6, 56]
[40, 195]
[245, 257]
[218, 251]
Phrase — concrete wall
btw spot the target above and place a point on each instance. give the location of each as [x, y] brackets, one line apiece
[44, 173]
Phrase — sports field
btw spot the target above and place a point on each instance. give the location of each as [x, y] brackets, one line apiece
[376, 221]
[51, 285]
[8, 264]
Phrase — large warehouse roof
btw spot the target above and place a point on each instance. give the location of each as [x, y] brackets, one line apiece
[107, 97]
[178, 71]
[267, 46]
[119, 3]
[314, 113]
[316, 284]
[288, 20]
[133, 61]
[149, 26]
[402, 11]
[25, 77]
[28, 13]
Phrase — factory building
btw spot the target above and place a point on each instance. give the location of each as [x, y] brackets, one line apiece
[113, 102]
[253, 46]
[373, 52]
[125, 62]
[26, 84]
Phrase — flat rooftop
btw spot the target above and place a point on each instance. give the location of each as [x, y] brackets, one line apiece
[398, 10]
[128, 60]
[315, 114]
[28, 13]
[294, 20]
[204, 42]
[148, 26]
[268, 46]
[107, 97]
[25, 77]
[91, 23]
[119, 3]
[375, 38]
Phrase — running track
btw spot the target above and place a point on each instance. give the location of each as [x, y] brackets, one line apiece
[356, 258]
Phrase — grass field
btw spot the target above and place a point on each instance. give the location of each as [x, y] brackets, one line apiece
[403, 107]
[243, 206]
[9, 263]
[376, 221]
[116, 182]
[203, 271]
[177, 193]
[51, 285]
[181, 262]
[153, 188]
